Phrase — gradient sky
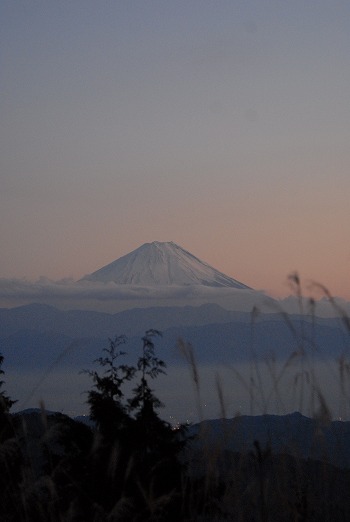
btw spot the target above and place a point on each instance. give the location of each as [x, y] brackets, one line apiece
[223, 126]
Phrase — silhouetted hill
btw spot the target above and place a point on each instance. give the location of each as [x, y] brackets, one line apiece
[292, 434]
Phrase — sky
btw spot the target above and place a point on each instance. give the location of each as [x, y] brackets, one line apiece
[222, 126]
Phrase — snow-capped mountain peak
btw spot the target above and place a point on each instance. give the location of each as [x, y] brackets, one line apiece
[162, 263]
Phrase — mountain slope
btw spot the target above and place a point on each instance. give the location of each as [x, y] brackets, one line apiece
[157, 263]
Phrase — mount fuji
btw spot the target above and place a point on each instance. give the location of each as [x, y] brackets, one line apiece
[162, 264]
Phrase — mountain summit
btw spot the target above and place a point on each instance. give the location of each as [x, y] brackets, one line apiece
[157, 263]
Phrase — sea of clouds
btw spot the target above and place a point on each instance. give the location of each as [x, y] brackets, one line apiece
[111, 297]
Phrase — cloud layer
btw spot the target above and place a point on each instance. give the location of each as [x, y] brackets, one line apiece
[111, 297]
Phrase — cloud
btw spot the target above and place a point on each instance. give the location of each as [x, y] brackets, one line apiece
[111, 297]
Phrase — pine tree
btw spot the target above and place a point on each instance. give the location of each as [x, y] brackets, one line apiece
[136, 460]
[157, 444]
[107, 406]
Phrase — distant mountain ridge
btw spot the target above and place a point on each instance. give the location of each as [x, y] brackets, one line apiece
[36, 335]
[162, 263]
[77, 323]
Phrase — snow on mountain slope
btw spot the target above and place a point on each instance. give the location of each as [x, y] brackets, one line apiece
[162, 264]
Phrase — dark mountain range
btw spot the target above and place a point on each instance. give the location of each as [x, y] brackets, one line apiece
[292, 434]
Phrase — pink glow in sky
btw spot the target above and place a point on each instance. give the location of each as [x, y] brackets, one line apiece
[222, 126]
